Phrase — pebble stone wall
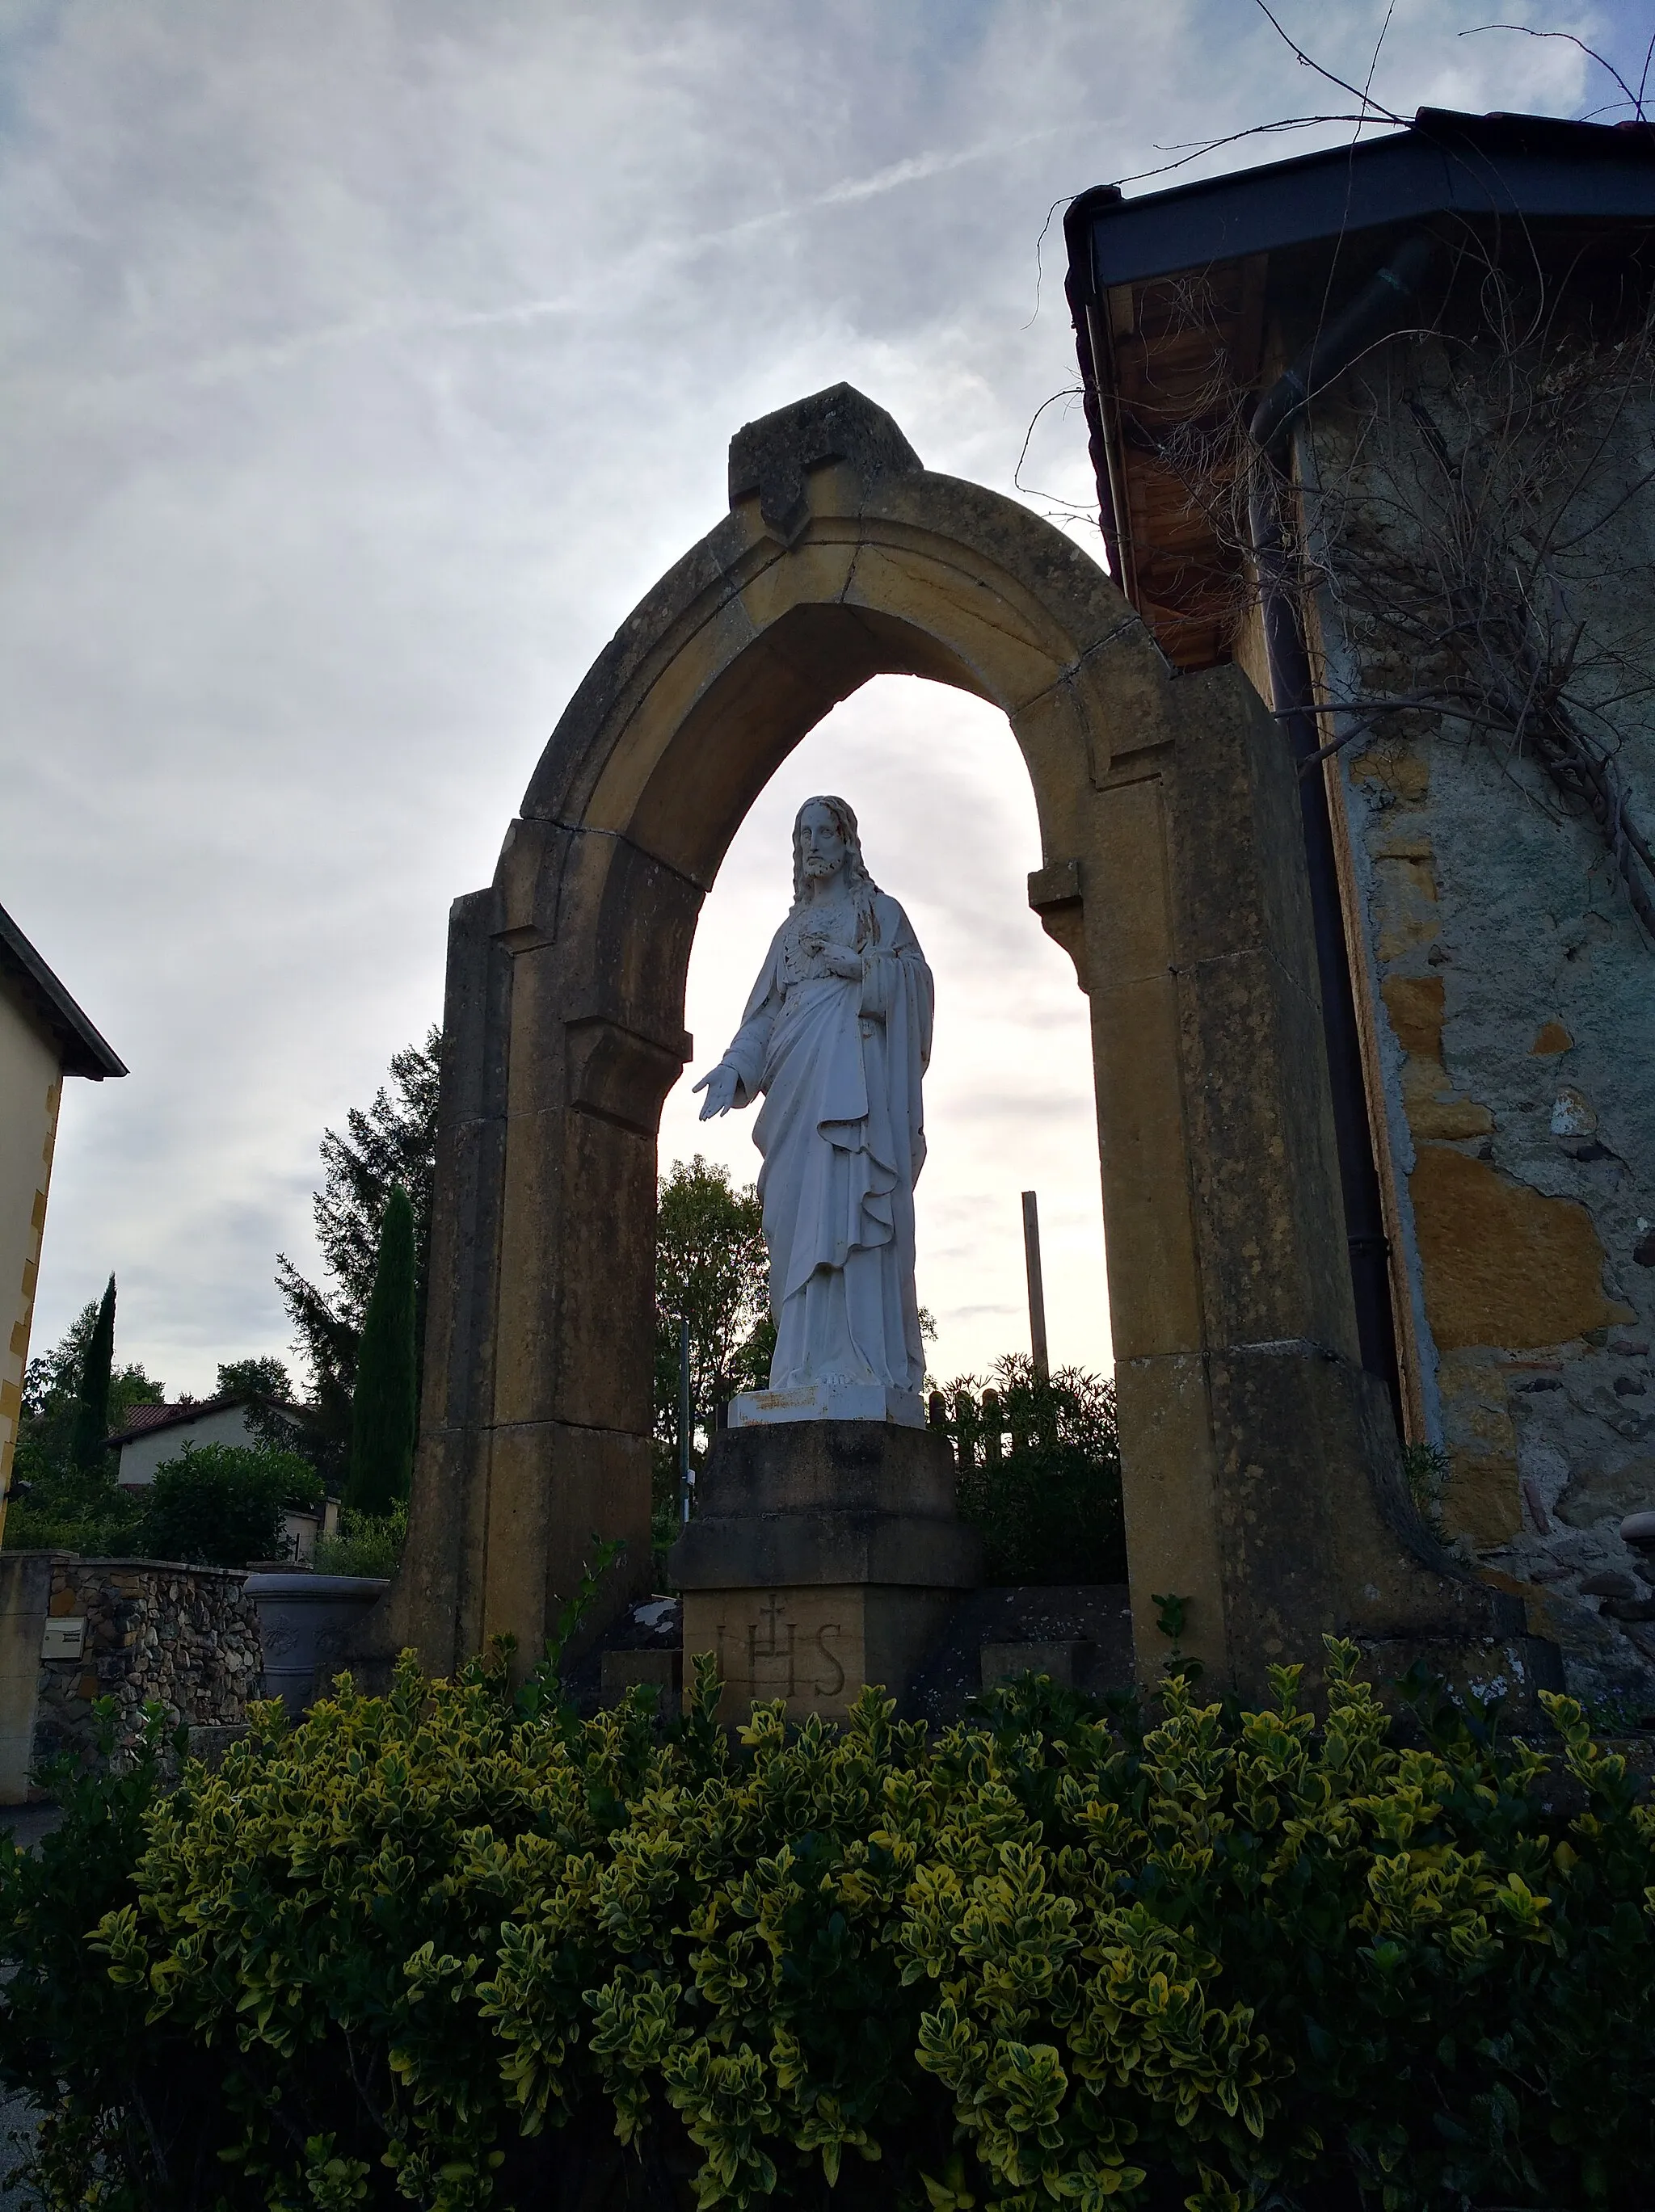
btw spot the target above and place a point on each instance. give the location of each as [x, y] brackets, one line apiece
[185, 1637]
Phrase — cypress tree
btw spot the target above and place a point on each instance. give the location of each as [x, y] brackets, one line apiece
[383, 1413]
[86, 1446]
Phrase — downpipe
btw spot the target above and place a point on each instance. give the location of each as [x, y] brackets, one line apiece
[1375, 310]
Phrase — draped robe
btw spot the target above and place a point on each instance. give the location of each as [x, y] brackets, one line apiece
[839, 1063]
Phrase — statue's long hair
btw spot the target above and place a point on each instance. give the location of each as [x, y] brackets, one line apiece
[861, 885]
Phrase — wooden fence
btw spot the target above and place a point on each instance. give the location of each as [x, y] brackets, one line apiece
[982, 1430]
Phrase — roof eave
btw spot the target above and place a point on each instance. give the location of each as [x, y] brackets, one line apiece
[81, 1050]
[1522, 167]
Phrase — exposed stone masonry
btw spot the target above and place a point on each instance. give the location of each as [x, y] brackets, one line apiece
[1514, 1000]
[184, 1637]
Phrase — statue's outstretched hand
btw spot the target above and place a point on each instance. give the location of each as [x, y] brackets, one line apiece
[719, 1083]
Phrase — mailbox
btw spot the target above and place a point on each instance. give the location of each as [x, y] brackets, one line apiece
[64, 1638]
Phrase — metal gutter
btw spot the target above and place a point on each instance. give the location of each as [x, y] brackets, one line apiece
[1377, 308]
[1531, 167]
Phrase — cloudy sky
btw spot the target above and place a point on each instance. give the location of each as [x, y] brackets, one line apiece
[364, 361]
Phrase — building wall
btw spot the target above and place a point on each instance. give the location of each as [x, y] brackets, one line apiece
[1511, 995]
[25, 1603]
[140, 1459]
[31, 1084]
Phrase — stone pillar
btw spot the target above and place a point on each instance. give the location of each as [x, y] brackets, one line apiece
[1260, 1464]
[823, 1555]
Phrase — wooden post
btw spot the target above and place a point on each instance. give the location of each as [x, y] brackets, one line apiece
[1038, 1353]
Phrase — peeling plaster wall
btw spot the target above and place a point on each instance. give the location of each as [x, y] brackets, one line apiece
[1512, 1007]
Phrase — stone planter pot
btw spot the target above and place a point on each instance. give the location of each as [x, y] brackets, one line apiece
[309, 1625]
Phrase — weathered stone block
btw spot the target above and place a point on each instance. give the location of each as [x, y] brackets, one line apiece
[823, 1555]
[1504, 1264]
[816, 1647]
[1063, 1662]
[827, 1502]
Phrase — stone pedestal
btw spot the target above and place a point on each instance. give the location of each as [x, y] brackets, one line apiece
[824, 1555]
[829, 1401]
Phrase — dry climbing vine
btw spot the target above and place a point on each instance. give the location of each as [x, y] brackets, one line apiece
[1476, 509]
[1481, 518]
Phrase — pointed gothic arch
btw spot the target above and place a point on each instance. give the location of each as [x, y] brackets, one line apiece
[1259, 1460]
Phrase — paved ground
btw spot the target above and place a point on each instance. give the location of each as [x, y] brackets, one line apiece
[16, 2117]
[26, 1823]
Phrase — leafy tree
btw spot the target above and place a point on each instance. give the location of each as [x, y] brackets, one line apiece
[393, 1142]
[1040, 1474]
[271, 1415]
[52, 1382]
[87, 1446]
[385, 1409]
[711, 1267]
[262, 1378]
[222, 1504]
[58, 1506]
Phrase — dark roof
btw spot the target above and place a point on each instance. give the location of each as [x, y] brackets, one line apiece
[80, 1047]
[144, 1420]
[140, 1417]
[1179, 296]
[1532, 167]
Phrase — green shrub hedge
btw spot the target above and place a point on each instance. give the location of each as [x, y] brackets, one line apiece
[217, 1504]
[452, 1947]
[224, 1503]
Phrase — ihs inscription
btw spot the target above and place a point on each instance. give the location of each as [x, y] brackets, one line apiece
[785, 1658]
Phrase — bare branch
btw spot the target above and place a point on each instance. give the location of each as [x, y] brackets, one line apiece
[1305, 62]
[1192, 149]
[1631, 492]
[1069, 391]
[1633, 100]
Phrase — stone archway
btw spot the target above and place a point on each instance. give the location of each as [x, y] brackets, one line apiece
[1260, 1465]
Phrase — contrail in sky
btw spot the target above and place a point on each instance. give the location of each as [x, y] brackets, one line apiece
[389, 322]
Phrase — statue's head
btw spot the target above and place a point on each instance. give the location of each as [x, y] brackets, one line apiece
[825, 839]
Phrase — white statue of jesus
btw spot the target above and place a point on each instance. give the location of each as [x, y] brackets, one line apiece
[836, 1037]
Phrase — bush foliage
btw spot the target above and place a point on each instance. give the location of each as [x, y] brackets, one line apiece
[1041, 1478]
[215, 1505]
[366, 1544]
[451, 1947]
[222, 1504]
